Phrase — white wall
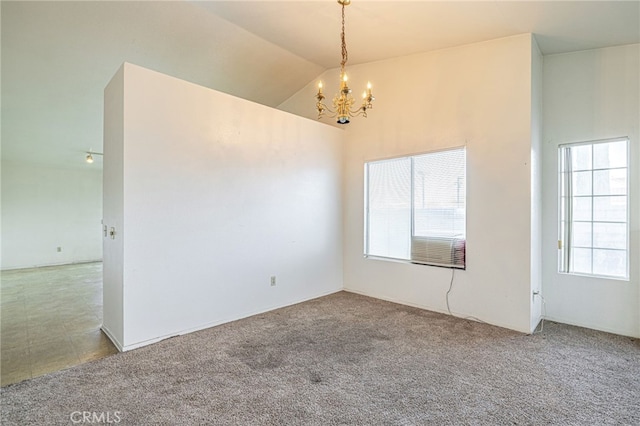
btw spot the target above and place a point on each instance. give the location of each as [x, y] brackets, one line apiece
[44, 208]
[536, 183]
[219, 195]
[479, 95]
[113, 201]
[588, 96]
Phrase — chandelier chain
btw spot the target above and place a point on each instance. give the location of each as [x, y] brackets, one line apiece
[345, 55]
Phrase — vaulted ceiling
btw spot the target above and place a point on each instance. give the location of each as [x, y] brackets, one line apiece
[57, 57]
[379, 30]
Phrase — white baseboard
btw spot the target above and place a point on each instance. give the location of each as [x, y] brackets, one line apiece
[111, 337]
[433, 309]
[619, 331]
[137, 345]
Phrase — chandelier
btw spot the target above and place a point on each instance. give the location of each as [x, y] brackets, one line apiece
[343, 101]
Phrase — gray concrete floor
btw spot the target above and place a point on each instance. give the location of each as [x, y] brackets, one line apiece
[50, 319]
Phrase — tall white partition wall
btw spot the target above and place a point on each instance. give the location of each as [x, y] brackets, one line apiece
[212, 200]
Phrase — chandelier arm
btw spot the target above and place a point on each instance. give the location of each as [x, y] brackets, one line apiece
[357, 112]
[323, 109]
[332, 113]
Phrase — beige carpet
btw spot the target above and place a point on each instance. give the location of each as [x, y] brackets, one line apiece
[346, 359]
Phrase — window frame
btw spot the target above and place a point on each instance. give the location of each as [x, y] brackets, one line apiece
[366, 222]
[564, 258]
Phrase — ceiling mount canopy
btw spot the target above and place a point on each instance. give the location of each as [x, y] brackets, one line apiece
[343, 101]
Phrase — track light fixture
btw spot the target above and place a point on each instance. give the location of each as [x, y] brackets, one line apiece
[90, 154]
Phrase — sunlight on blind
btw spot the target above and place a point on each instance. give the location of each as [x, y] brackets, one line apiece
[389, 208]
[439, 194]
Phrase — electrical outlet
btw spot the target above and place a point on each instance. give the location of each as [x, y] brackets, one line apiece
[273, 280]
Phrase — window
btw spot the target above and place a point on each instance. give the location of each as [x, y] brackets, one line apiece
[415, 208]
[594, 208]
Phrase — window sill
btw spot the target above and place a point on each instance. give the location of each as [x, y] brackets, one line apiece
[598, 277]
[411, 262]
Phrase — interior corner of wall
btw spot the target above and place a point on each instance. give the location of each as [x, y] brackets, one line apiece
[535, 47]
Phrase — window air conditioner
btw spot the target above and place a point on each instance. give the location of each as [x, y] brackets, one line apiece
[440, 251]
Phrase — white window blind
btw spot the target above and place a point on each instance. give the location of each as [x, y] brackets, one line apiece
[389, 208]
[416, 207]
[593, 209]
